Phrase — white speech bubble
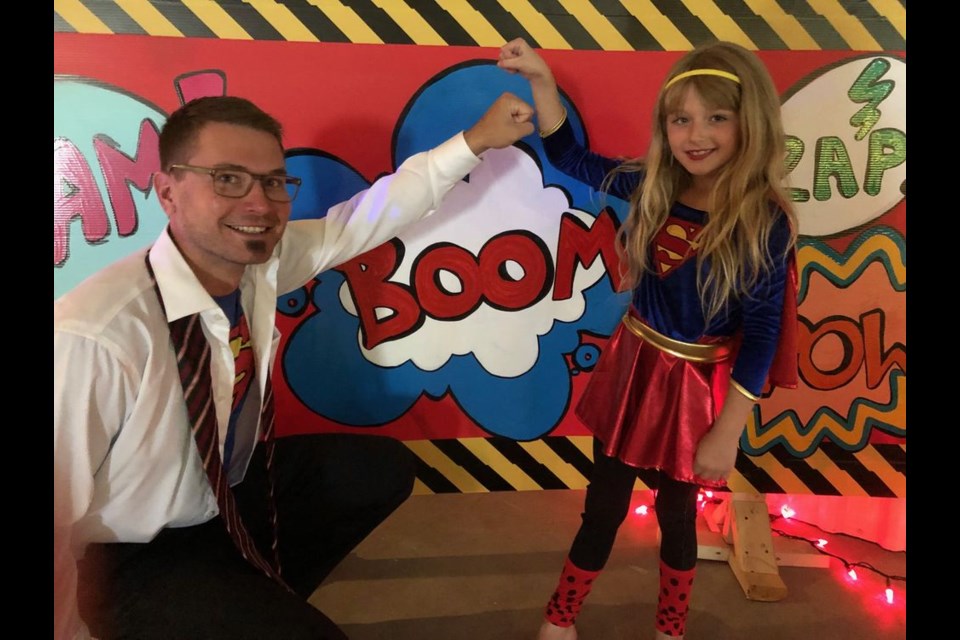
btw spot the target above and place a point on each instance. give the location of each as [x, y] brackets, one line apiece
[504, 193]
[819, 115]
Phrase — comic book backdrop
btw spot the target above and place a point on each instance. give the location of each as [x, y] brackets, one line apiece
[472, 334]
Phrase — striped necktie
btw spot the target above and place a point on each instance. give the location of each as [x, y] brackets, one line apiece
[193, 360]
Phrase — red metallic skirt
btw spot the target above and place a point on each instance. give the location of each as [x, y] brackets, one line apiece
[650, 399]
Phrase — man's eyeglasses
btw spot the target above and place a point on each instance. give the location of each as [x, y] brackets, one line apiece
[237, 183]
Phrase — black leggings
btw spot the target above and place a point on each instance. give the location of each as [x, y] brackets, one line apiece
[606, 506]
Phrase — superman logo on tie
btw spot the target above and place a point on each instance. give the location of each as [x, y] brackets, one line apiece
[674, 244]
[243, 357]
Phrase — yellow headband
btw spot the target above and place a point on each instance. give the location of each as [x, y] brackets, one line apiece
[702, 72]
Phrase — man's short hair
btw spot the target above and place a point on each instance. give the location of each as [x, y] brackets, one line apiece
[180, 131]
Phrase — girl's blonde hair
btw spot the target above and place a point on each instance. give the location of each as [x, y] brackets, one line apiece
[748, 191]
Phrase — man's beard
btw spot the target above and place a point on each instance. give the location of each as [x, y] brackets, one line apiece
[256, 246]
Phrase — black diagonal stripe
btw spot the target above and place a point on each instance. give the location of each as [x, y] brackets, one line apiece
[185, 20]
[251, 20]
[433, 479]
[516, 454]
[814, 24]
[760, 479]
[813, 479]
[114, 17]
[894, 455]
[689, 25]
[61, 25]
[567, 25]
[503, 21]
[629, 27]
[878, 26]
[635, 33]
[570, 454]
[444, 24]
[760, 33]
[481, 472]
[316, 21]
[753, 25]
[380, 22]
[847, 462]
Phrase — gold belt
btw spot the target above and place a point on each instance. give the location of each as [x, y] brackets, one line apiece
[716, 352]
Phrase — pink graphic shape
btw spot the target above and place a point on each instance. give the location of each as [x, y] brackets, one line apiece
[75, 195]
[200, 84]
[119, 169]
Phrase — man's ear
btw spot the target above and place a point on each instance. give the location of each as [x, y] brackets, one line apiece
[163, 186]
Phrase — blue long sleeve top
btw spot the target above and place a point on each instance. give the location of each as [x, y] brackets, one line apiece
[668, 301]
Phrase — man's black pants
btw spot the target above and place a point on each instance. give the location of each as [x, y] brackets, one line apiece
[191, 583]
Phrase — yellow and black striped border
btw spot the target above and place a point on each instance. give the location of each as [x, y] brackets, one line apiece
[611, 25]
[477, 465]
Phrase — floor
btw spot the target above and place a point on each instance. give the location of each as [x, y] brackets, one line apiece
[479, 566]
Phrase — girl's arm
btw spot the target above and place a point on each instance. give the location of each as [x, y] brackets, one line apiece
[518, 57]
[562, 148]
[717, 451]
[762, 309]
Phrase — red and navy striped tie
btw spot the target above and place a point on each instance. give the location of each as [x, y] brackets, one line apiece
[193, 360]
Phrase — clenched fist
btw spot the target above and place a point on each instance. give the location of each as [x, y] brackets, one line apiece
[507, 120]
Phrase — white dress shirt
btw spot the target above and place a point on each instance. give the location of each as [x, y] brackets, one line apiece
[125, 462]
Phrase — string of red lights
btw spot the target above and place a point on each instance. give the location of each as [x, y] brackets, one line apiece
[788, 514]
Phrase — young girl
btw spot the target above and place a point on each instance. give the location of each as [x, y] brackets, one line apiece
[708, 252]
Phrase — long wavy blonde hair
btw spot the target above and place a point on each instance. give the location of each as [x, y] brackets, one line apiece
[748, 191]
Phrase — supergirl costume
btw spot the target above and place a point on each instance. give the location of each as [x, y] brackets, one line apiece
[661, 380]
[659, 386]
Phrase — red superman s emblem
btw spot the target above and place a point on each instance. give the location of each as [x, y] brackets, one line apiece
[674, 244]
[243, 357]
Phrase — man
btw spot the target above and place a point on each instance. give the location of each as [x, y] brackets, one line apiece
[178, 539]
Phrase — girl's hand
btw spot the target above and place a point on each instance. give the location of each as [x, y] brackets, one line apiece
[716, 456]
[717, 451]
[519, 57]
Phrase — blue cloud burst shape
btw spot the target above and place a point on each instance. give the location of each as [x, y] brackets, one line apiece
[323, 363]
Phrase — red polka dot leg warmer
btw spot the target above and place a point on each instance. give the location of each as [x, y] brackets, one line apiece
[674, 601]
[572, 589]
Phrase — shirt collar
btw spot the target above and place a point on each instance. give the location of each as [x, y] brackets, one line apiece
[183, 295]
